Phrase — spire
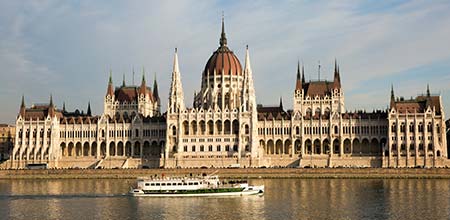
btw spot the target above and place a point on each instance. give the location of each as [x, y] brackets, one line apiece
[298, 84]
[123, 81]
[143, 75]
[247, 59]
[223, 38]
[337, 77]
[281, 102]
[176, 96]
[110, 76]
[143, 87]
[110, 90]
[155, 89]
[392, 92]
[64, 107]
[335, 66]
[22, 107]
[248, 95]
[88, 112]
[428, 90]
[176, 69]
[51, 100]
[392, 96]
[51, 108]
[193, 102]
[303, 74]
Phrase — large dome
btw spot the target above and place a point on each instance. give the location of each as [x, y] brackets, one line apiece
[223, 59]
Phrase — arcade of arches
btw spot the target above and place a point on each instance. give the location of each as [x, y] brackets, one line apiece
[316, 147]
[146, 149]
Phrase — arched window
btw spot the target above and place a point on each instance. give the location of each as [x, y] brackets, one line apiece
[235, 127]
[327, 111]
[219, 100]
[227, 100]
[317, 112]
[186, 127]
[429, 127]
[308, 112]
[393, 127]
[336, 129]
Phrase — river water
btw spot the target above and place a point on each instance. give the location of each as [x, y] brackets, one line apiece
[284, 199]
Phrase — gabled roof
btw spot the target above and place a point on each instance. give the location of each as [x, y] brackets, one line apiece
[130, 93]
[272, 112]
[418, 105]
[318, 88]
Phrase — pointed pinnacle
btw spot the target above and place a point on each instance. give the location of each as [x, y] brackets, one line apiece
[23, 101]
[51, 100]
[110, 76]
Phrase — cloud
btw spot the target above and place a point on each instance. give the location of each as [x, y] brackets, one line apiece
[68, 48]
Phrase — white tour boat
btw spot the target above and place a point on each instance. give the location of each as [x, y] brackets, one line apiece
[207, 185]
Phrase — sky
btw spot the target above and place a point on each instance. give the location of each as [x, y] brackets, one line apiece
[67, 48]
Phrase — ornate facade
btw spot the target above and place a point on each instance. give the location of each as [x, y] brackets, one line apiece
[225, 127]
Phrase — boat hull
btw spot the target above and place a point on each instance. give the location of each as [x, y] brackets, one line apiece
[254, 191]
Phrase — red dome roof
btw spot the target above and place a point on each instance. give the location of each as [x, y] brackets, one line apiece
[223, 59]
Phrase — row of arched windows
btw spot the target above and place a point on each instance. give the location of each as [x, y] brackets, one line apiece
[210, 148]
[34, 133]
[210, 128]
[412, 127]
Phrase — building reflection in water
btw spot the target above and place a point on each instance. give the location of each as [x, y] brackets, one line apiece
[283, 199]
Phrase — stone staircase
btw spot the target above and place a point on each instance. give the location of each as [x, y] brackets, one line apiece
[113, 162]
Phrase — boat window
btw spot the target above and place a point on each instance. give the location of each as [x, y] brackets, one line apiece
[180, 184]
[157, 184]
[169, 184]
[190, 183]
[195, 183]
[163, 184]
[185, 184]
[152, 184]
[147, 184]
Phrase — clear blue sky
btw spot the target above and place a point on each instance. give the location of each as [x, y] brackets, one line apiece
[66, 48]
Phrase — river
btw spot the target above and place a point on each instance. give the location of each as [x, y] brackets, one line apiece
[283, 199]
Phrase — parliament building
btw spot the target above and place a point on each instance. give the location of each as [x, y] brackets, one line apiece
[225, 127]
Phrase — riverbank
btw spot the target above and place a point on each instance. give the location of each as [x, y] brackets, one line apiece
[248, 173]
